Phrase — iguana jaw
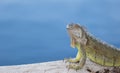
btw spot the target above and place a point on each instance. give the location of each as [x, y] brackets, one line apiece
[73, 43]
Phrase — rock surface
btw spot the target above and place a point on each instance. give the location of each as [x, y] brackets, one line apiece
[55, 67]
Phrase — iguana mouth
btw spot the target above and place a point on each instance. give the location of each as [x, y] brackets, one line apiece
[73, 41]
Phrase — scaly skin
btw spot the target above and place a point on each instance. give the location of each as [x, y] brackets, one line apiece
[92, 48]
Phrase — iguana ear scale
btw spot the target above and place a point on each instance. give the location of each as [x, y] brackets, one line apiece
[84, 41]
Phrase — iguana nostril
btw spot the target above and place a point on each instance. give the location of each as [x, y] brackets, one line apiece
[67, 26]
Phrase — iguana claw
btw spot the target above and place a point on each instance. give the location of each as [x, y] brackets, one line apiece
[68, 60]
[74, 66]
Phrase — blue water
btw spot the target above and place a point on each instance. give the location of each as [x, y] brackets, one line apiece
[34, 31]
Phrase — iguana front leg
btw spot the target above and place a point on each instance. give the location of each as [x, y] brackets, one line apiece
[76, 60]
[78, 56]
[81, 57]
[77, 66]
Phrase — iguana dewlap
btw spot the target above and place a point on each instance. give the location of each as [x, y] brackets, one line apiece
[92, 48]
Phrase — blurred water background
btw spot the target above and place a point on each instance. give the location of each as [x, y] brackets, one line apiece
[34, 31]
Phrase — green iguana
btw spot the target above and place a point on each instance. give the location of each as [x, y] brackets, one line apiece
[92, 48]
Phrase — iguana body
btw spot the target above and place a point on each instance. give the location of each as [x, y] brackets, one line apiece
[92, 48]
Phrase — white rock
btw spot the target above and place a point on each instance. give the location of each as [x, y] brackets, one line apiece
[49, 67]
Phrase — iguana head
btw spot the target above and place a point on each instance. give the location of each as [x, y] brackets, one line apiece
[77, 34]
